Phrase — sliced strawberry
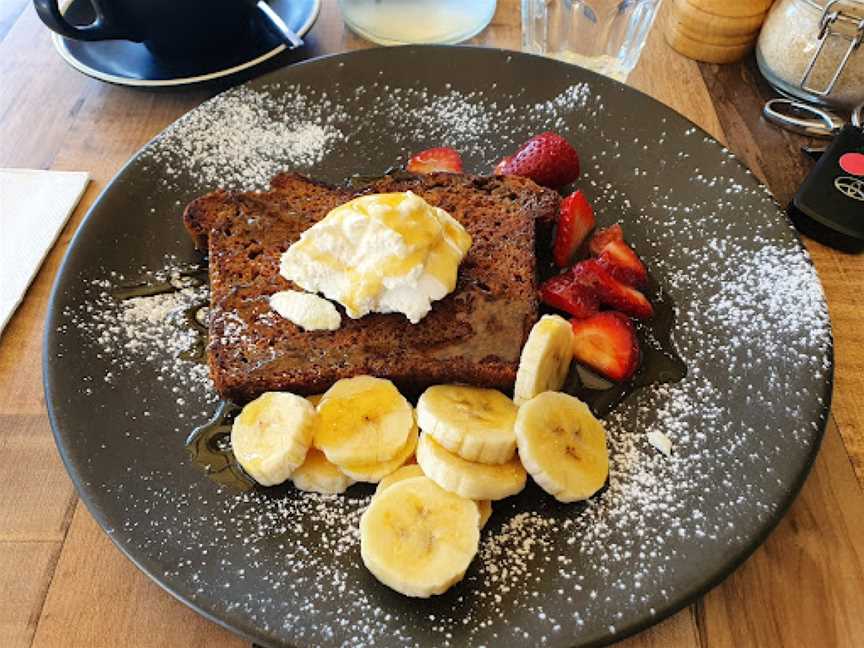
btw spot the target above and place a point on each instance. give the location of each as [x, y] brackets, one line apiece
[603, 237]
[575, 222]
[610, 291]
[624, 264]
[548, 159]
[564, 293]
[431, 160]
[607, 343]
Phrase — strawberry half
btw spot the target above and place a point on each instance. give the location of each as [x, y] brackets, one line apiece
[548, 159]
[607, 343]
[564, 293]
[624, 264]
[603, 237]
[575, 222]
[610, 291]
[442, 158]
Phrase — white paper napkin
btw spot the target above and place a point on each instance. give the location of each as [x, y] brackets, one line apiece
[34, 206]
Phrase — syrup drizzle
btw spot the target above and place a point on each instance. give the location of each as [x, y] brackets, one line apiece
[196, 315]
[660, 363]
[150, 288]
[359, 181]
[209, 447]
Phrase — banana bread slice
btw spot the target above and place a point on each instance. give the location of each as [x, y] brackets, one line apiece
[474, 335]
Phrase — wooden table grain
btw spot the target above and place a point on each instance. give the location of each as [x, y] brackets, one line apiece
[62, 583]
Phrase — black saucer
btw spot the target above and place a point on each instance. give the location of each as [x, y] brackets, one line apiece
[132, 64]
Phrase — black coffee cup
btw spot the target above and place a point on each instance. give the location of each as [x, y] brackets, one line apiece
[170, 29]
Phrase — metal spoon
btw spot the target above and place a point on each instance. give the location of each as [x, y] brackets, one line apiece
[277, 25]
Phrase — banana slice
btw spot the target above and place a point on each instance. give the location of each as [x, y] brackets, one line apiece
[417, 538]
[563, 446]
[363, 420]
[405, 472]
[545, 358]
[484, 507]
[475, 423]
[375, 472]
[317, 475]
[271, 436]
[469, 479]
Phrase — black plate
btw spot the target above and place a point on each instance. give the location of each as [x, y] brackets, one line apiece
[284, 568]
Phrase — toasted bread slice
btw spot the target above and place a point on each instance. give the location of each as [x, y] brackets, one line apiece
[474, 335]
[297, 193]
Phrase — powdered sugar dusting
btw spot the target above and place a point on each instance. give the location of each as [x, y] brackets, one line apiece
[151, 332]
[751, 326]
[244, 137]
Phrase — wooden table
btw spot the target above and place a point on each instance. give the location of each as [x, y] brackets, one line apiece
[62, 583]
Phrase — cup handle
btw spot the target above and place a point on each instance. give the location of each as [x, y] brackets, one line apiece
[103, 28]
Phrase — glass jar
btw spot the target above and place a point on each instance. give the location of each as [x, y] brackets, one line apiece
[811, 49]
[399, 22]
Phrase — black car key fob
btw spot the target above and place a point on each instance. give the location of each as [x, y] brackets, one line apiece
[832, 195]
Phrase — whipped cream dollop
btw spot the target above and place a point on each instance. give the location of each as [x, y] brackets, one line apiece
[385, 253]
[309, 312]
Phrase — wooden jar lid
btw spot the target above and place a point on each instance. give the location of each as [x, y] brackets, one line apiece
[715, 31]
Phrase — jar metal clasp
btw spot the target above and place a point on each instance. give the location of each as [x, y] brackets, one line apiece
[830, 16]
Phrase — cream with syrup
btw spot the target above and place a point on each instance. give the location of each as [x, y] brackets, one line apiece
[385, 253]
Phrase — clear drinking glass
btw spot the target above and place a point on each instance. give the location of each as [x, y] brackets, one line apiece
[398, 22]
[606, 36]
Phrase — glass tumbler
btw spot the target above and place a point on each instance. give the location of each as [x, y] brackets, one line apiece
[606, 36]
[399, 22]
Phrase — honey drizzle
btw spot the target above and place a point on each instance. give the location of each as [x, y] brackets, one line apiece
[209, 447]
[660, 361]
